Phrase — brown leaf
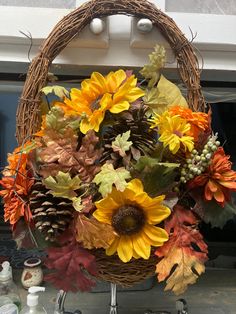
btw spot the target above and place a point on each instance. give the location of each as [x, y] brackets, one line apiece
[52, 169]
[60, 154]
[88, 205]
[92, 233]
[60, 148]
[88, 157]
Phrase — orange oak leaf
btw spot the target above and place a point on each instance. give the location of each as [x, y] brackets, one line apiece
[92, 233]
[183, 255]
[187, 269]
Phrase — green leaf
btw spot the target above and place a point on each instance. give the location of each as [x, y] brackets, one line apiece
[109, 176]
[216, 215]
[156, 62]
[165, 95]
[59, 91]
[76, 202]
[156, 177]
[121, 143]
[28, 148]
[56, 120]
[62, 185]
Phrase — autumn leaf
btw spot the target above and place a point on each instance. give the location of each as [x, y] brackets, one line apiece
[188, 269]
[218, 216]
[15, 196]
[72, 267]
[17, 160]
[165, 95]
[151, 71]
[63, 185]
[77, 204]
[88, 157]
[57, 153]
[56, 120]
[121, 143]
[60, 153]
[92, 233]
[184, 254]
[59, 148]
[109, 176]
[211, 212]
[157, 177]
[59, 91]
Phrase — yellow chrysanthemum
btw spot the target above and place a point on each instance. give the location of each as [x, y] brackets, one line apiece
[114, 92]
[133, 215]
[173, 132]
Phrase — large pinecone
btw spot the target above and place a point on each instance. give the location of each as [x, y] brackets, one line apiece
[51, 215]
[143, 138]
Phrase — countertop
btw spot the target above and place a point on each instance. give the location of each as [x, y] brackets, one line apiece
[214, 293]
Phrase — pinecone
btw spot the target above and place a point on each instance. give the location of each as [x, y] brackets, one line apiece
[51, 215]
[143, 138]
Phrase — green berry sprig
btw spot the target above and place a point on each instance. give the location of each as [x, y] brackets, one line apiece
[197, 163]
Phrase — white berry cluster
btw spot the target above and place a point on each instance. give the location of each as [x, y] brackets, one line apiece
[199, 161]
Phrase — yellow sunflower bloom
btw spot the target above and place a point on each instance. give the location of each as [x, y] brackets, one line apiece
[173, 132]
[133, 215]
[114, 92]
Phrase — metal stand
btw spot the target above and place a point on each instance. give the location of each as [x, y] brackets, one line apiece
[181, 304]
[113, 304]
[60, 302]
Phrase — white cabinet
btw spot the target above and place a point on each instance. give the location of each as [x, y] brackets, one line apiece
[120, 44]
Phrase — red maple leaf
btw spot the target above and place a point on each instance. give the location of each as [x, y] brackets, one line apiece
[72, 267]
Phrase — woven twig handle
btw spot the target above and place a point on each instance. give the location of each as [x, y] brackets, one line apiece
[28, 113]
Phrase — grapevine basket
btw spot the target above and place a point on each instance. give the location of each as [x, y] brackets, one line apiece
[111, 268]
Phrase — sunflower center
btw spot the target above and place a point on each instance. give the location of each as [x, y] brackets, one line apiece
[128, 220]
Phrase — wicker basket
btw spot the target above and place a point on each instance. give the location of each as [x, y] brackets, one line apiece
[28, 113]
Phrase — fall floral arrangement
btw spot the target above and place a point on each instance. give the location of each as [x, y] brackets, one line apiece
[120, 166]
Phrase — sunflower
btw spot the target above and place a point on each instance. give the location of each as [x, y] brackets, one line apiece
[173, 132]
[218, 180]
[133, 216]
[114, 92]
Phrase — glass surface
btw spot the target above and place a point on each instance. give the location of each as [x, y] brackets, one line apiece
[8, 105]
[227, 7]
[63, 4]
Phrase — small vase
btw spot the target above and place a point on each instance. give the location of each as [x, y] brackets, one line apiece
[32, 274]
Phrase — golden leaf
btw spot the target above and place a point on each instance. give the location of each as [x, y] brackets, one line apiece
[187, 270]
[92, 233]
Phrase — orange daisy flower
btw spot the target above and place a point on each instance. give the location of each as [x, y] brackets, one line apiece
[199, 121]
[219, 179]
[14, 195]
[17, 161]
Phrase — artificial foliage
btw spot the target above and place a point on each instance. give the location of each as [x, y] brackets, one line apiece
[124, 166]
